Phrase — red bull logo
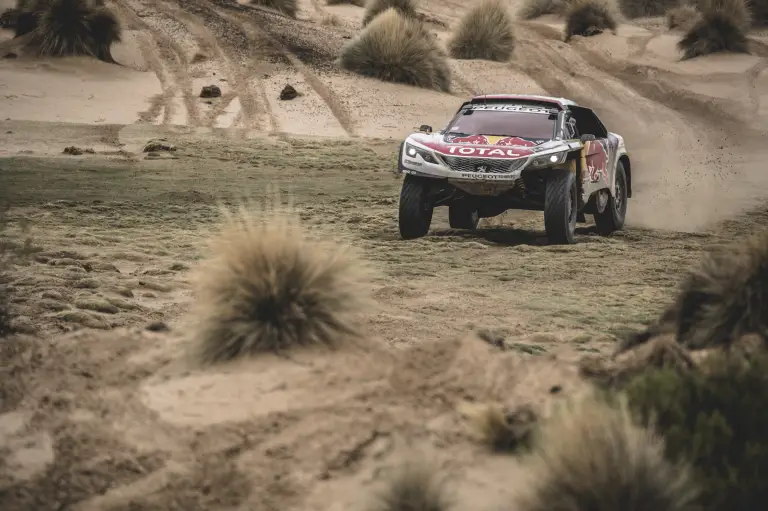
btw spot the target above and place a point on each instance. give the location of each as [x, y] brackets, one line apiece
[493, 140]
[474, 139]
[597, 161]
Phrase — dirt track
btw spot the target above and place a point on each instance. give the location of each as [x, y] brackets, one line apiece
[99, 413]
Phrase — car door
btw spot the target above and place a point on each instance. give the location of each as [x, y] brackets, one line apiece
[598, 173]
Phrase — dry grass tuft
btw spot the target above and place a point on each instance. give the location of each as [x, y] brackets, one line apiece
[69, 27]
[373, 8]
[589, 17]
[594, 457]
[502, 431]
[398, 49]
[721, 300]
[415, 486]
[759, 10]
[288, 7]
[646, 8]
[358, 3]
[485, 32]
[331, 20]
[268, 288]
[532, 9]
[722, 27]
[682, 17]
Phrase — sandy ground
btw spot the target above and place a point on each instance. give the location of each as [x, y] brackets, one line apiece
[98, 412]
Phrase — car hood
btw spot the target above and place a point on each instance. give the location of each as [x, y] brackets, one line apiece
[483, 145]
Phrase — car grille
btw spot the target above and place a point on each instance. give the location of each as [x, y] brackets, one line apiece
[495, 166]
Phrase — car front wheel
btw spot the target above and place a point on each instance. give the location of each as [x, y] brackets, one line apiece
[612, 217]
[560, 207]
[415, 209]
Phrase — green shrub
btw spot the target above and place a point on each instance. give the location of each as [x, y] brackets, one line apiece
[716, 418]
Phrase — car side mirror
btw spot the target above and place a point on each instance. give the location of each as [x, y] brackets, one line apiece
[426, 128]
[587, 137]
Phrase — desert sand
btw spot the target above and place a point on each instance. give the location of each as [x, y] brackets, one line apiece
[101, 407]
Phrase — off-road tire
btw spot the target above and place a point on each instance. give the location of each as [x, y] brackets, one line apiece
[561, 207]
[463, 217]
[415, 210]
[612, 217]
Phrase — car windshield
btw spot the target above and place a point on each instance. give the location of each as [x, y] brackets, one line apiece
[505, 124]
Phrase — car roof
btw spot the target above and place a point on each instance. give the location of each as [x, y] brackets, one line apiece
[561, 103]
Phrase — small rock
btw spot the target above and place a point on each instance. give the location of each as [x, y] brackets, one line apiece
[73, 151]
[210, 91]
[158, 326]
[288, 93]
[158, 144]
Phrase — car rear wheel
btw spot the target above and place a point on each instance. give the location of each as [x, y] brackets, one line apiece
[612, 217]
[461, 216]
[415, 208]
[560, 207]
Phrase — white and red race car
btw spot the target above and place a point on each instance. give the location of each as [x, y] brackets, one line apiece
[510, 151]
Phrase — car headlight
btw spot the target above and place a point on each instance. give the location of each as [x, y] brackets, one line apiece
[412, 151]
[550, 159]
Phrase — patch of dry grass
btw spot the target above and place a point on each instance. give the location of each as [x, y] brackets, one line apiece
[414, 486]
[288, 7]
[592, 456]
[682, 17]
[358, 3]
[485, 32]
[69, 27]
[646, 8]
[268, 288]
[398, 49]
[374, 8]
[721, 300]
[759, 10]
[532, 9]
[589, 17]
[331, 20]
[722, 27]
[502, 431]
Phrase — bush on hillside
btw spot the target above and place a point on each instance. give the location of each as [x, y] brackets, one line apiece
[717, 418]
[398, 49]
[593, 457]
[759, 10]
[646, 8]
[722, 27]
[267, 288]
[532, 9]
[414, 486]
[722, 299]
[485, 32]
[68, 27]
[288, 7]
[589, 17]
[375, 7]
[682, 17]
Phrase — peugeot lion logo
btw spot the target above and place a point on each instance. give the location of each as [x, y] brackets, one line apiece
[481, 168]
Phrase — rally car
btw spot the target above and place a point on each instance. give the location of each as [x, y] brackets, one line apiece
[511, 151]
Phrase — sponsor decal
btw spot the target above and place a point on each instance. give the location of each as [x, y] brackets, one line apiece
[494, 140]
[511, 108]
[411, 162]
[486, 177]
[597, 161]
[486, 151]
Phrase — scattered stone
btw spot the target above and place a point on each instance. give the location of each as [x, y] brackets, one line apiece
[158, 326]
[158, 144]
[96, 304]
[76, 151]
[555, 389]
[210, 91]
[288, 93]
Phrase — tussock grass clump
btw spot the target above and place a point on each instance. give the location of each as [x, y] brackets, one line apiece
[722, 27]
[68, 27]
[374, 8]
[532, 9]
[395, 48]
[358, 3]
[682, 17]
[502, 431]
[717, 417]
[414, 486]
[722, 299]
[589, 17]
[759, 10]
[592, 456]
[646, 8]
[288, 7]
[485, 32]
[268, 288]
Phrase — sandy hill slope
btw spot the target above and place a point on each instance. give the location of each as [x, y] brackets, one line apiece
[100, 406]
